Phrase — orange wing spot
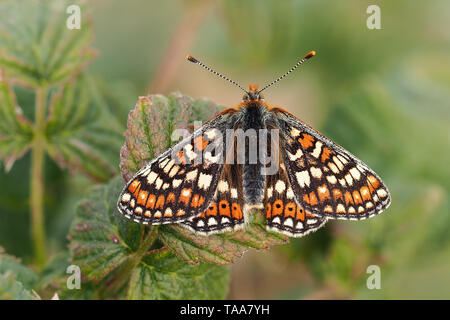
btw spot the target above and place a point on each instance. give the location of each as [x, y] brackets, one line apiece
[300, 214]
[236, 210]
[268, 211]
[185, 195]
[170, 198]
[313, 199]
[134, 185]
[328, 209]
[159, 202]
[289, 210]
[277, 208]
[197, 201]
[337, 194]
[151, 201]
[142, 198]
[323, 192]
[365, 193]
[326, 154]
[348, 198]
[212, 209]
[200, 144]
[357, 197]
[373, 181]
[224, 208]
[306, 141]
[181, 158]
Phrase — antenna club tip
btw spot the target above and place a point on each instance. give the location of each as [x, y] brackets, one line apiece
[310, 54]
[191, 59]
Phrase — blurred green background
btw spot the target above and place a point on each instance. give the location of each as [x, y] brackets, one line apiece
[382, 94]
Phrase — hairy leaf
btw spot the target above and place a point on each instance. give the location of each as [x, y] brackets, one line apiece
[15, 131]
[16, 280]
[150, 125]
[37, 47]
[82, 133]
[163, 276]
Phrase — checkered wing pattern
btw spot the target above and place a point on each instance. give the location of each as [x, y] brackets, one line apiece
[225, 212]
[326, 179]
[181, 182]
[283, 213]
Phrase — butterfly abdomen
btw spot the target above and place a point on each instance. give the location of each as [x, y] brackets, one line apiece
[253, 180]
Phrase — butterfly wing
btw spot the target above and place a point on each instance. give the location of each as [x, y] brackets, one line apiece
[181, 182]
[283, 213]
[326, 179]
[225, 212]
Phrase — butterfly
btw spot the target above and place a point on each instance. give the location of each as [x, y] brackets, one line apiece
[253, 156]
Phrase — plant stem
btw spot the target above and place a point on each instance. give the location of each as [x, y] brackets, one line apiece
[37, 179]
[123, 274]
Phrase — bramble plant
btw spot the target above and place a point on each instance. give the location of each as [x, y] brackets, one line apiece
[118, 258]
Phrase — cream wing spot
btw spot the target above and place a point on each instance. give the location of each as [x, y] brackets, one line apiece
[222, 186]
[280, 186]
[176, 182]
[338, 163]
[332, 179]
[152, 177]
[204, 181]
[333, 168]
[355, 173]
[349, 179]
[191, 175]
[317, 150]
[303, 178]
[316, 173]
[126, 197]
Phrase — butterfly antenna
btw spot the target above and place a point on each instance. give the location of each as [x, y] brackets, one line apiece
[194, 60]
[309, 55]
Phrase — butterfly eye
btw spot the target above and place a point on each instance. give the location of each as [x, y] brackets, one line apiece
[245, 97]
[261, 97]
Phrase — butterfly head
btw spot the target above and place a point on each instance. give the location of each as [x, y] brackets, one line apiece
[252, 94]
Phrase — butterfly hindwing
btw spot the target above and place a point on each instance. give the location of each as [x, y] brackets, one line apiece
[225, 212]
[326, 179]
[283, 213]
[181, 182]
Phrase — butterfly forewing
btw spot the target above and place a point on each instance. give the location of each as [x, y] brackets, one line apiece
[326, 179]
[181, 182]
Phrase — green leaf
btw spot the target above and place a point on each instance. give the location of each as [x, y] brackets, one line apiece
[107, 246]
[16, 280]
[37, 47]
[11, 289]
[163, 276]
[82, 134]
[150, 126]
[95, 243]
[16, 132]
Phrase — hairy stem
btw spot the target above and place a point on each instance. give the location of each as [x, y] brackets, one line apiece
[37, 179]
[123, 274]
